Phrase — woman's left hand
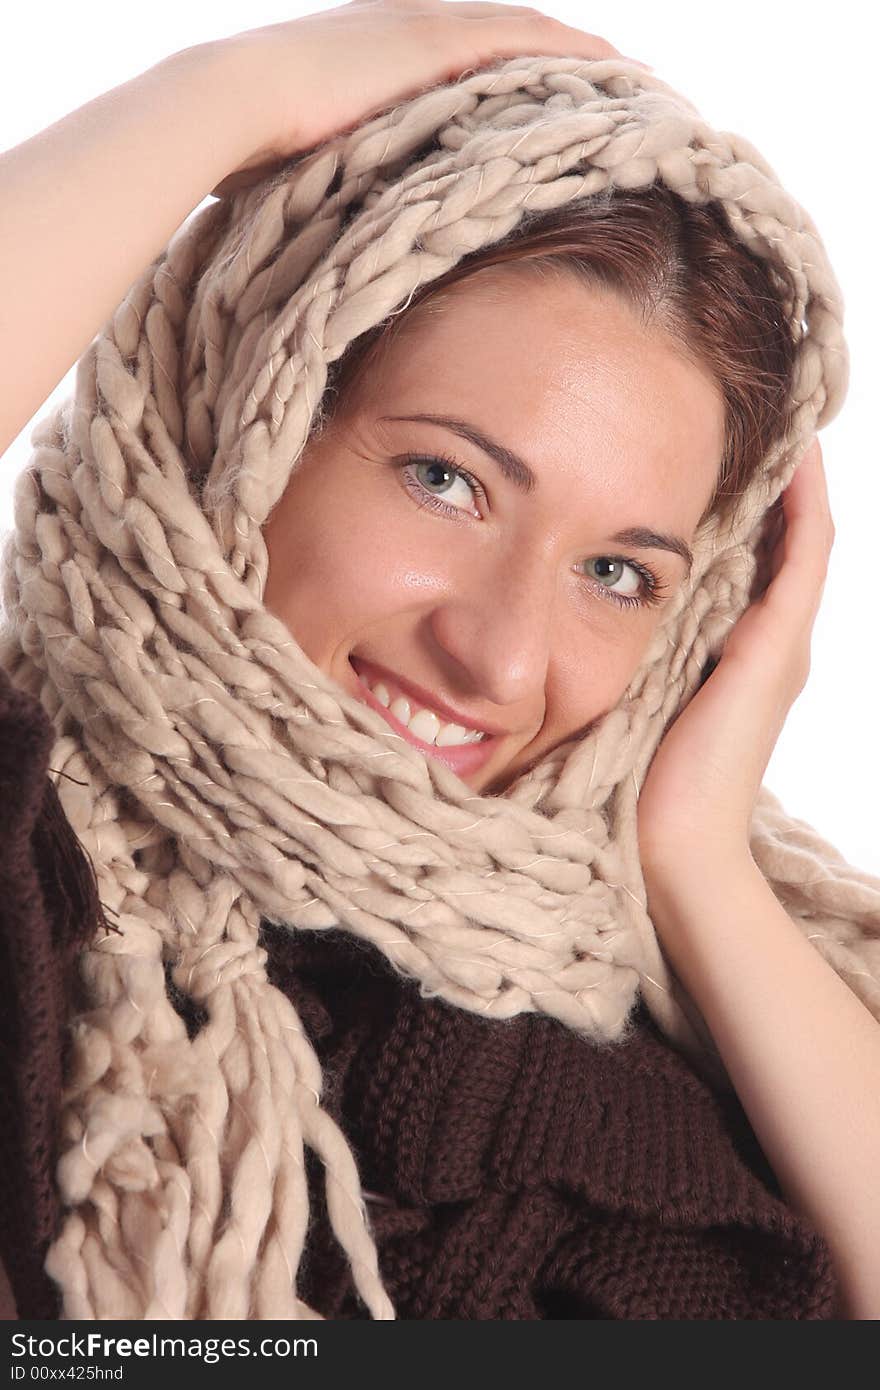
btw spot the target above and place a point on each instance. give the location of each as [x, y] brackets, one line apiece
[701, 787]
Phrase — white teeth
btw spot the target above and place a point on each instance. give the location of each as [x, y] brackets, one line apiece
[400, 708]
[450, 734]
[425, 724]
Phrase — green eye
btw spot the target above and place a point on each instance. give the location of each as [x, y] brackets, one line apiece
[447, 472]
[439, 465]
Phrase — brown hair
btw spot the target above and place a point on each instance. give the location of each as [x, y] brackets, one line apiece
[683, 270]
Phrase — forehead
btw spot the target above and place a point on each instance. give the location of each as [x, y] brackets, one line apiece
[566, 375]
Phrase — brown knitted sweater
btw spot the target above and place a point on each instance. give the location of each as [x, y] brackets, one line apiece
[515, 1169]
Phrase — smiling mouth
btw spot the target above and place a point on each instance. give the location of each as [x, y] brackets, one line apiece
[464, 755]
[427, 722]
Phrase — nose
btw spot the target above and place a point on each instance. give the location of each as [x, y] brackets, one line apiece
[496, 626]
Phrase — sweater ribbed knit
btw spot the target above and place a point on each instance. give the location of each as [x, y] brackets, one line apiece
[528, 1173]
[515, 1169]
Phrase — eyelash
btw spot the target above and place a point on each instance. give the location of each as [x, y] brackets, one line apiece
[653, 587]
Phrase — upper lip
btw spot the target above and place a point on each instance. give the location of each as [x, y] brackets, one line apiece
[374, 671]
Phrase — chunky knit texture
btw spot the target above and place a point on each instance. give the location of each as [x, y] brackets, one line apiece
[218, 778]
[515, 1170]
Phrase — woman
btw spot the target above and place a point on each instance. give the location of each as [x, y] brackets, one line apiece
[220, 600]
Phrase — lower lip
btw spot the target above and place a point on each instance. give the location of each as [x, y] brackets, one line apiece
[464, 759]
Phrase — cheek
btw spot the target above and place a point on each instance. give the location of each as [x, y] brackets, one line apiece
[316, 579]
[338, 562]
[594, 670]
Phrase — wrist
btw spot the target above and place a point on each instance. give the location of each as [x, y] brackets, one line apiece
[692, 902]
[691, 868]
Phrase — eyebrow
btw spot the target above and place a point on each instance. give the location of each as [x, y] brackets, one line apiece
[518, 472]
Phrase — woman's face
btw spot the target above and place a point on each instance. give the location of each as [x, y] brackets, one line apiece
[518, 608]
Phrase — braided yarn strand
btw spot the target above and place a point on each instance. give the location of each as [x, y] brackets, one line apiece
[216, 777]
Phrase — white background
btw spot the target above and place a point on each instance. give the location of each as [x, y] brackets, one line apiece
[798, 81]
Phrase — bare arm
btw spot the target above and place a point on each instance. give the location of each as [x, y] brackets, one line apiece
[87, 203]
[802, 1051]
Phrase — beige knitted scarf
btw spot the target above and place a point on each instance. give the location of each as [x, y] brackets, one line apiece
[216, 777]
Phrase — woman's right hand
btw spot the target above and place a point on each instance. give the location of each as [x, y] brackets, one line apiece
[321, 74]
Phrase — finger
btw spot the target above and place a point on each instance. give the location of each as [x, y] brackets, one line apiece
[797, 587]
[807, 491]
[786, 507]
[591, 45]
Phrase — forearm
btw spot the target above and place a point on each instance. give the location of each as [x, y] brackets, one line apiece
[801, 1050]
[87, 203]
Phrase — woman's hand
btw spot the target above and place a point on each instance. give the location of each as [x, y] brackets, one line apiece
[324, 73]
[699, 795]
